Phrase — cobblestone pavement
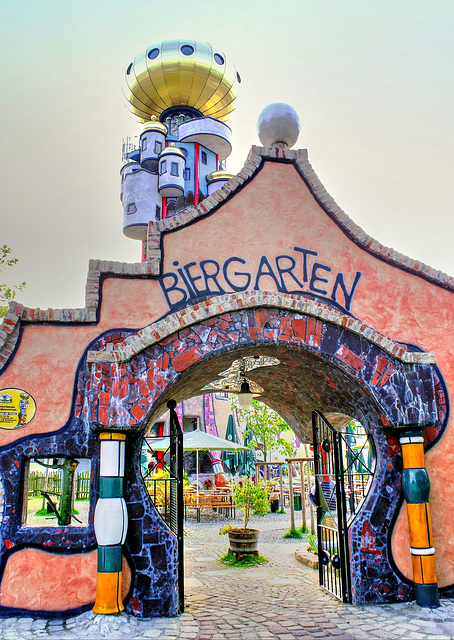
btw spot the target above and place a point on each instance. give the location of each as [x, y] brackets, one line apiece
[278, 600]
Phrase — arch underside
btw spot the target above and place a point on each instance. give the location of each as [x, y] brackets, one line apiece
[301, 383]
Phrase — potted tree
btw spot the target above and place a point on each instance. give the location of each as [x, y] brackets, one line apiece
[253, 499]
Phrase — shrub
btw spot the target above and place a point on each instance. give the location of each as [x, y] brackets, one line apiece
[253, 499]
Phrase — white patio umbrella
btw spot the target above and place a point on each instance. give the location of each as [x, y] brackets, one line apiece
[195, 441]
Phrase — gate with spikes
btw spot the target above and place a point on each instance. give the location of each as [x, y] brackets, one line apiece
[344, 465]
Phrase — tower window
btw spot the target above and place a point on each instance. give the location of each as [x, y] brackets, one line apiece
[174, 168]
[157, 147]
[163, 167]
[187, 50]
[204, 157]
[187, 174]
[153, 54]
[144, 144]
[128, 70]
[219, 59]
[131, 208]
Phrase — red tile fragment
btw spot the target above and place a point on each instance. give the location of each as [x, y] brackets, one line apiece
[314, 332]
[138, 412]
[262, 316]
[299, 328]
[349, 358]
[186, 359]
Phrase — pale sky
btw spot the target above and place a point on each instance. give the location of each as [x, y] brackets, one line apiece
[372, 82]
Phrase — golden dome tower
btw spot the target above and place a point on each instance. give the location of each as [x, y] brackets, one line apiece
[183, 91]
[181, 76]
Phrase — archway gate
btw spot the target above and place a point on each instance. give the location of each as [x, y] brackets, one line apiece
[268, 264]
[323, 364]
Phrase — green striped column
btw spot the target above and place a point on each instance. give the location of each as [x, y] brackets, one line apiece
[111, 524]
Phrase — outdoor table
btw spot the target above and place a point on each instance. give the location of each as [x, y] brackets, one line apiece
[212, 499]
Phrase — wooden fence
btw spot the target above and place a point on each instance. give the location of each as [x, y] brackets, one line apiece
[37, 483]
[83, 485]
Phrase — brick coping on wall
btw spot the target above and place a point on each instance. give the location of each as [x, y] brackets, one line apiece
[9, 330]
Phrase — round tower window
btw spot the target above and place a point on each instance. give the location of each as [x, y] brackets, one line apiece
[238, 77]
[187, 50]
[128, 70]
[219, 59]
[154, 53]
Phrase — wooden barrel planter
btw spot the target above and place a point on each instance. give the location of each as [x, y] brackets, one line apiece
[244, 542]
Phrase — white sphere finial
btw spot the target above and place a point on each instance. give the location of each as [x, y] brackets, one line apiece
[278, 123]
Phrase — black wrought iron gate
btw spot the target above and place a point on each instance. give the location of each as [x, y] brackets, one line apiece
[334, 562]
[166, 491]
[176, 494]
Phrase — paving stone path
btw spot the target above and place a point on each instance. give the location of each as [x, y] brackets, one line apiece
[278, 600]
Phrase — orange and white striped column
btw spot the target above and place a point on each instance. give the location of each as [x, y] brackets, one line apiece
[416, 490]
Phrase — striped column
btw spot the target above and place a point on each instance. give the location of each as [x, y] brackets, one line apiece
[416, 490]
[111, 523]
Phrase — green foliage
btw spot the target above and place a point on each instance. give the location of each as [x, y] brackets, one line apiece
[7, 293]
[294, 532]
[265, 427]
[43, 512]
[246, 560]
[312, 540]
[253, 499]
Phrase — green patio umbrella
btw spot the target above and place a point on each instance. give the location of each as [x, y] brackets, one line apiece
[248, 458]
[232, 459]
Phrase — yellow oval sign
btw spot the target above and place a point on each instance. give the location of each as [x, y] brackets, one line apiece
[17, 408]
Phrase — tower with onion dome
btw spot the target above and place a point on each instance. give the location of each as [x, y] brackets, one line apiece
[183, 92]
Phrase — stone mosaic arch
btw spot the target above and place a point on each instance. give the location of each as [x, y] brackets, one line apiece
[324, 365]
[131, 375]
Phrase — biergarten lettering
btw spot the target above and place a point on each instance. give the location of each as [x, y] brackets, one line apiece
[299, 273]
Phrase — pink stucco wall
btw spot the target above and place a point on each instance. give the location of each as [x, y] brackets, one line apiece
[54, 582]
